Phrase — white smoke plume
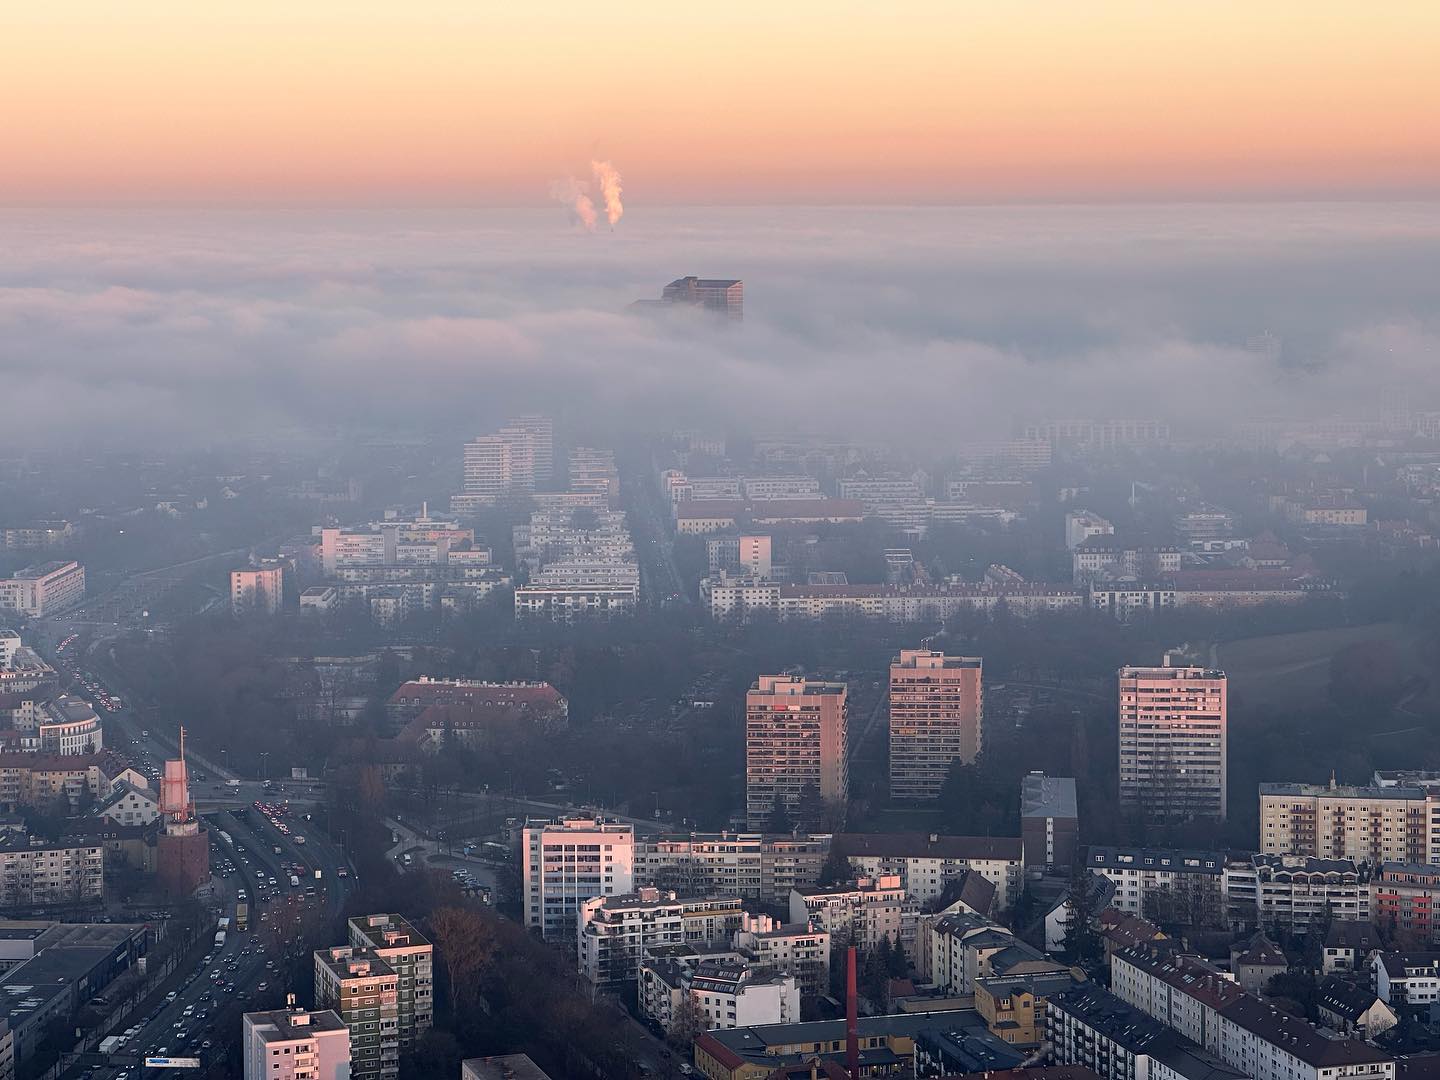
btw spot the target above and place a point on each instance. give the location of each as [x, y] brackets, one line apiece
[574, 195]
[609, 181]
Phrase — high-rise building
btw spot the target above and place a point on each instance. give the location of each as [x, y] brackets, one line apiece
[412, 957]
[725, 296]
[593, 470]
[364, 991]
[296, 1044]
[1172, 741]
[541, 430]
[936, 708]
[258, 589]
[568, 861]
[795, 738]
[505, 463]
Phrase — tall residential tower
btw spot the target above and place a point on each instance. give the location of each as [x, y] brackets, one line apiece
[1172, 741]
[936, 708]
[795, 738]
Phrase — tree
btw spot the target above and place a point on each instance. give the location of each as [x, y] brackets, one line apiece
[686, 1022]
[779, 821]
[810, 809]
[835, 869]
[1081, 940]
[466, 945]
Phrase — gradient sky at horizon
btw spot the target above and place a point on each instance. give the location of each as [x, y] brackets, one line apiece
[456, 102]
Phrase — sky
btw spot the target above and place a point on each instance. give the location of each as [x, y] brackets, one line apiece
[931, 326]
[466, 104]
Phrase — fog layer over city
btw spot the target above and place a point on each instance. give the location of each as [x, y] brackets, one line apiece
[925, 324]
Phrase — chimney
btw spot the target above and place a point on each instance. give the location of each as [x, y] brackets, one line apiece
[852, 1017]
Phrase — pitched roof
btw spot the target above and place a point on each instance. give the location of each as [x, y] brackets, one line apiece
[1346, 999]
[1297, 1037]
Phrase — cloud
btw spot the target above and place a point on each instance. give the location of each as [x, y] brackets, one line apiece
[932, 325]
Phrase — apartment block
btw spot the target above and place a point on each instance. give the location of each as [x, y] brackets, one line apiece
[42, 590]
[258, 589]
[363, 990]
[927, 862]
[860, 912]
[412, 957]
[49, 872]
[613, 933]
[1173, 741]
[752, 866]
[936, 718]
[796, 738]
[296, 1044]
[1363, 824]
[570, 860]
[593, 470]
[1188, 886]
[798, 949]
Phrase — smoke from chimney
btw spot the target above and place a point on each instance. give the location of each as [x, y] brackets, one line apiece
[574, 195]
[609, 181]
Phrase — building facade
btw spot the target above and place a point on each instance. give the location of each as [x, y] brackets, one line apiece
[363, 990]
[1173, 736]
[395, 941]
[568, 861]
[258, 589]
[296, 1044]
[796, 738]
[936, 718]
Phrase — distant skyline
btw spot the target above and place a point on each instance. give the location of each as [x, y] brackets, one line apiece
[450, 102]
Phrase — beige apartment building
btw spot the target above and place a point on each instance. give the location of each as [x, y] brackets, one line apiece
[795, 737]
[1173, 741]
[1361, 824]
[936, 710]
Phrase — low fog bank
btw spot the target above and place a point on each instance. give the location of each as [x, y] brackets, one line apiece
[928, 325]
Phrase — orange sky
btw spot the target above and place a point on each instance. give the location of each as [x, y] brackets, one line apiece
[487, 101]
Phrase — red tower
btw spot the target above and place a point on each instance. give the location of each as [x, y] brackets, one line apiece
[183, 849]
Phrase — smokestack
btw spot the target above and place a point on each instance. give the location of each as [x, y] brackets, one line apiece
[852, 1017]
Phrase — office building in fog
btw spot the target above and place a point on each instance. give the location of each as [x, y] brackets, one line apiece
[936, 710]
[1173, 741]
[723, 296]
[795, 738]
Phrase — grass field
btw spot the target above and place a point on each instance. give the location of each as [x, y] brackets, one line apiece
[1294, 669]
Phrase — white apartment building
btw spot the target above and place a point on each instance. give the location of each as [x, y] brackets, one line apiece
[1243, 1031]
[1192, 879]
[499, 465]
[1103, 558]
[570, 860]
[761, 488]
[1407, 981]
[593, 470]
[67, 725]
[926, 862]
[731, 995]
[565, 603]
[613, 933]
[798, 949]
[296, 1044]
[1080, 525]
[1173, 741]
[1297, 892]
[752, 866]
[860, 912]
[42, 590]
[258, 589]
